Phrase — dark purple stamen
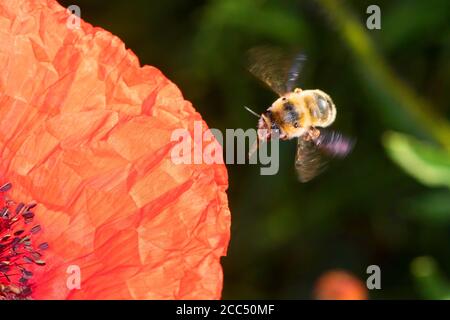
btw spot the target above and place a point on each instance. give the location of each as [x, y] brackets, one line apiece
[17, 252]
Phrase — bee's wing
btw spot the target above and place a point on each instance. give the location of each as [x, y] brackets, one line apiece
[309, 161]
[334, 144]
[278, 70]
[313, 154]
[297, 62]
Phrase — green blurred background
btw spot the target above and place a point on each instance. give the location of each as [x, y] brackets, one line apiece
[388, 203]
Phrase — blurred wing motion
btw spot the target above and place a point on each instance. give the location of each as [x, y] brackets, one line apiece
[314, 154]
[309, 162]
[278, 70]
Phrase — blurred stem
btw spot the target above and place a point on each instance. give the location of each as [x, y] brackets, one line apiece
[363, 48]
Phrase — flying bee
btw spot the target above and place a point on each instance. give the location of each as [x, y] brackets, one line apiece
[297, 113]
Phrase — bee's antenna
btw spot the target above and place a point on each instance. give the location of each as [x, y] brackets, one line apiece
[252, 112]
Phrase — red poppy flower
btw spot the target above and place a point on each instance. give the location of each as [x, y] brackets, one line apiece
[85, 134]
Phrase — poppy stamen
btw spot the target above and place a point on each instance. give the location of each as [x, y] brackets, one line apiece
[17, 252]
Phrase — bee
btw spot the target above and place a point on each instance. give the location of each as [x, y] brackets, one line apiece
[297, 113]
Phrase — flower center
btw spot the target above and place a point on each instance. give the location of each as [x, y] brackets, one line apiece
[17, 252]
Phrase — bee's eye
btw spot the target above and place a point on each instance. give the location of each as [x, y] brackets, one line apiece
[295, 124]
[288, 106]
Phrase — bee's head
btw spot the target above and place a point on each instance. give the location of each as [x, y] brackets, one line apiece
[267, 126]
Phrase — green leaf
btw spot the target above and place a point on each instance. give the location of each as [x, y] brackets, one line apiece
[433, 206]
[426, 163]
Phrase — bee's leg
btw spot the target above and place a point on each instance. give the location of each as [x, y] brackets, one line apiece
[312, 134]
[253, 149]
[298, 90]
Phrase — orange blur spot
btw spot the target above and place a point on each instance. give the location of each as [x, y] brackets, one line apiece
[340, 285]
